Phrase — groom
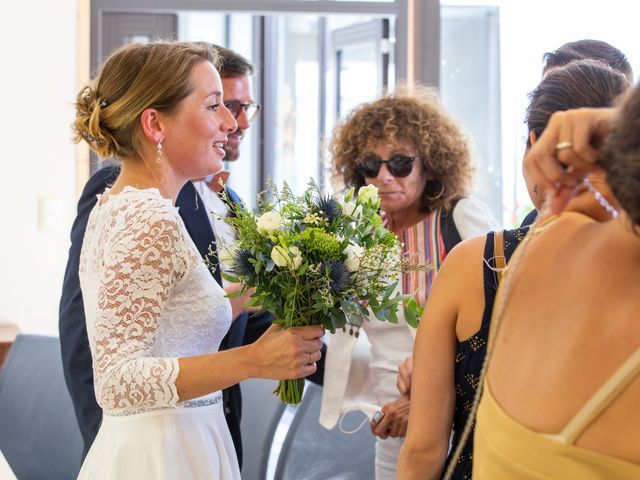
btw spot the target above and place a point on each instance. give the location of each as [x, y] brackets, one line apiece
[196, 201]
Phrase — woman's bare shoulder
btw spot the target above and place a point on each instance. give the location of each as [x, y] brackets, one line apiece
[465, 251]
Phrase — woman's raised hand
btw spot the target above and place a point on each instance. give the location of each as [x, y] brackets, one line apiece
[572, 139]
[290, 353]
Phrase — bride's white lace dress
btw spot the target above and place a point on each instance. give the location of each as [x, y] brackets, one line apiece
[149, 299]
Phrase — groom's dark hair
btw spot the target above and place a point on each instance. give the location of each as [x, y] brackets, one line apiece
[233, 64]
[588, 49]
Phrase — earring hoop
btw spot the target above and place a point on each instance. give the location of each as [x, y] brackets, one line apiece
[159, 153]
[440, 193]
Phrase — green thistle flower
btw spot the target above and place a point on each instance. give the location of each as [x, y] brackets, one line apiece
[321, 244]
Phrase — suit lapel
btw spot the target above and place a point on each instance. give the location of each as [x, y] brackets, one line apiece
[195, 217]
[231, 199]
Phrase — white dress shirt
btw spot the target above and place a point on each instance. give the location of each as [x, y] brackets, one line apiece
[216, 213]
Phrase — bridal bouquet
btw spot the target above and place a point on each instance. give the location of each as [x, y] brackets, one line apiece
[315, 259]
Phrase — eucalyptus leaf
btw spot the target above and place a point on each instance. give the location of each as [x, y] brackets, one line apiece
[393, 315]
[234, 294]
[382, 314]
[390, 289]
[372, 301]
[229, 278]
[253, 302]
[362, 309]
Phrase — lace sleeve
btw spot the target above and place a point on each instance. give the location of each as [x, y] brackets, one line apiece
[143, 256]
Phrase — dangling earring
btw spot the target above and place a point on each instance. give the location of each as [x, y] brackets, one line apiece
[159, 153]
[428, 186]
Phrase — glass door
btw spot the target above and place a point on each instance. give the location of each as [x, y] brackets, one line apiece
[312, 67]
[326, 66]
[362, 61]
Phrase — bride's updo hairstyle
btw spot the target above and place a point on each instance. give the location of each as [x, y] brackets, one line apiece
[134, 78]
[621, 156]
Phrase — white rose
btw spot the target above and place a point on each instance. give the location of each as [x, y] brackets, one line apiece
[280, 256]
[296, 257]
[269, 222]
[368, 194]
[227, 255]
[347, 208]
[350, 209]
[354, 253]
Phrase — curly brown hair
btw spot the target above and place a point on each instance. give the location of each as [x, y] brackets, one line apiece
[413, 117]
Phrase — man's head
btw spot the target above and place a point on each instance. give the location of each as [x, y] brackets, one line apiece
[588, 49]
[235, 71]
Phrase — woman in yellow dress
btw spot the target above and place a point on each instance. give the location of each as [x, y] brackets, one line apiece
[562, 390]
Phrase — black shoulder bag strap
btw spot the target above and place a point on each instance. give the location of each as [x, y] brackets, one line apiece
[450, 234]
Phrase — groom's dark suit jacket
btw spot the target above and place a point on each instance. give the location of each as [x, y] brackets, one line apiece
[76, 356]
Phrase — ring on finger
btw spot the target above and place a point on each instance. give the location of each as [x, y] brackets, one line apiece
[563, 145]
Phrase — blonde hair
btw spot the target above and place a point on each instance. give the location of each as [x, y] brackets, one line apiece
[415, 117]
[134, 78]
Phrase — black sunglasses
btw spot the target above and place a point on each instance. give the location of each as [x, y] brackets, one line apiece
[236, 107]
[398, 165]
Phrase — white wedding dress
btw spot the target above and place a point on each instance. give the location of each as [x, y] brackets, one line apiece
[149, 299]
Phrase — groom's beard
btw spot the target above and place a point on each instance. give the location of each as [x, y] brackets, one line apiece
[232, 147]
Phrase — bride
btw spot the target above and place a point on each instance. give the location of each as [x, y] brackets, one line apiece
[155, 316]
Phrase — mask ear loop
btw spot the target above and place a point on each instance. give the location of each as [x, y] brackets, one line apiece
[491, 264]
[351, 432]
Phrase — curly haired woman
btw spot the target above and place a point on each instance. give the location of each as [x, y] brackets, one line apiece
[414, 153]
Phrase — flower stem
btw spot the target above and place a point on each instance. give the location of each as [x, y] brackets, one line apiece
[290, 391]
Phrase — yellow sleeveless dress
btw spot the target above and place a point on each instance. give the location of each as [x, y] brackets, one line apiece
[505, 449]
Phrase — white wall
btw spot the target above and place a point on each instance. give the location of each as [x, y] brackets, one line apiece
[37, 158]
